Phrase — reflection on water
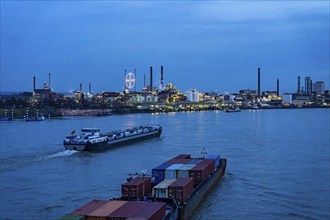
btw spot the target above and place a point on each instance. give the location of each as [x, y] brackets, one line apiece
[278, 163]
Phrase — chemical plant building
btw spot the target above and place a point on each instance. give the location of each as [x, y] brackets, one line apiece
[310, 94]
[167, 97]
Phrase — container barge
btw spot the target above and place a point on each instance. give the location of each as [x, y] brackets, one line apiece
[175, 190]
[90, 139]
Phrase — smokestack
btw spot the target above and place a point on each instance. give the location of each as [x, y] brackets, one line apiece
[278, 88]
[34, 83]
[48, 80]
[80, 87]
[311, 87]
[161, 76]
[259, 82]
[298, 91]
[144, 80]
[125, 80]
[151, 78]
[89, 88]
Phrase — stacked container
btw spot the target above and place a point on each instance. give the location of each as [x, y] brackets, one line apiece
[118, 210]
[161, 190]
[137, 187]
[171, 172]
[152, 211]
[182, 156]
[183, 171]
[195, 161]
[216, 158]
[180, 189]
[102, 212]
[199, 173]
[210, 164]
[158, 173]
[89, 207]
[178, 161]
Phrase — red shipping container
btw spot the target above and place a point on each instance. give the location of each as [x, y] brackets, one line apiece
[150, 211]
[210, 164]
[126, 210]
[105, 210]
[181, 189]
[137, 187]
[182, 156]
[89, 207]
[178, 161]
[199, 173]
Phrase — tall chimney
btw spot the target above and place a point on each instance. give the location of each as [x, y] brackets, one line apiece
[151, 78]
[278, 88]
[311, 87]
[298, 91]
[89, 88]
[161, 76]
[259, 82]
[144, 80]
[80, 87]
[34, 83]
[125, 80]
[48, 80]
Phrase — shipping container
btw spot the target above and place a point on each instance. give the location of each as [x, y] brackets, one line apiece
[183, 171]
[72, 217]
[199, 173]
[210, 164]
[181, 189]
[158, 173]
[89, 207]
[126, 210]
[216, 158]
[195, 161]
[178, 160]
[182, 156]
[151, 211]
[161, 189]
[137, 187]
[105, 210]
[171, 172]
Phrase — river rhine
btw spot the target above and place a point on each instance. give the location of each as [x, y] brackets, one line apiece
[278, 163]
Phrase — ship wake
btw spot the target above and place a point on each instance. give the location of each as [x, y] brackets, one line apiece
[16, 162]
[59, 154]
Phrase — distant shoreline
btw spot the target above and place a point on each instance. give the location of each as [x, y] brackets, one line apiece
[20, 113]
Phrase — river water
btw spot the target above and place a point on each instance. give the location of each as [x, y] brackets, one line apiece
[278, 163]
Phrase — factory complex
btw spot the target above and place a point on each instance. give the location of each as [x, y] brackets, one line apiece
[160, 98]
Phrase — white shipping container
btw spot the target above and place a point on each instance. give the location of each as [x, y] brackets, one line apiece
[171, 172]
[183, 171]
[161, 189]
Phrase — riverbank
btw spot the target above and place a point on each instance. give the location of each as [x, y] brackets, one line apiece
[21, 113]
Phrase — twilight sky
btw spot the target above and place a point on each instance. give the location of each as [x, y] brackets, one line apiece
[210, 46]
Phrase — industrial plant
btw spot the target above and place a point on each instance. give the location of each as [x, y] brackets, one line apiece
[158, 98]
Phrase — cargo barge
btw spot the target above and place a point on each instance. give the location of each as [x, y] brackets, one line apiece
[174, 191]
[91, 139]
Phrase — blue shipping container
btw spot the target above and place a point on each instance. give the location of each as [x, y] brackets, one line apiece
[159, 172]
